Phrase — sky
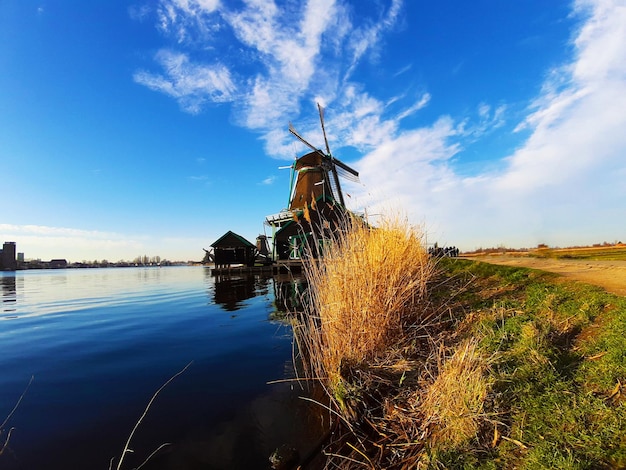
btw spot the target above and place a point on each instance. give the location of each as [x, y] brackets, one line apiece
[132, 128]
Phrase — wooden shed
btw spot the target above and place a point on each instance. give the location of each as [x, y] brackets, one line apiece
[231, 249]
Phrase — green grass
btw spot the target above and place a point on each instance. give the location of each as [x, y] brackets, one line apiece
[560, 360]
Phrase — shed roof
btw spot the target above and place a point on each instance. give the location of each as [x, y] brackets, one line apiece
[232, 240]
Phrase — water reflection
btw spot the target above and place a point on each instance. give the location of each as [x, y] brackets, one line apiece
[230, 291]
[9, 293]
[289, 293]
[272, 420]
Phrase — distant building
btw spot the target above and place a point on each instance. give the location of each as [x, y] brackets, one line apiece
[8, 260]
[58, 264]
[20, 257]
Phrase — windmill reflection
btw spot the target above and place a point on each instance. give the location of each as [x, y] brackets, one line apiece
[231, 291]
[289, 294]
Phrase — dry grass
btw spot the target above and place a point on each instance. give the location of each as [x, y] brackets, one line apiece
[452, 406]
[367, 332]
[366, 291]
[375, 338]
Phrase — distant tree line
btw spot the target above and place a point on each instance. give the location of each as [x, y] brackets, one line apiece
[143, 260]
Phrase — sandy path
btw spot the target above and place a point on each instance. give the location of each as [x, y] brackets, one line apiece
[610, 275]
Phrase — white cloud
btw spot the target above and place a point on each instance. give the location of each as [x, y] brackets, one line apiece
[291, 50]
[192, 85]
[561, 186]
[269, 180]
[410, 168]
[369, 36]
[187, 20]
[288, 45]
[578, 121]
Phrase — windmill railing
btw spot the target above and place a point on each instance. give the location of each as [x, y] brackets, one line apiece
[281, 216]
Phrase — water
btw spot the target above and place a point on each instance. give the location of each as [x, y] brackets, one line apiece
[100, 342]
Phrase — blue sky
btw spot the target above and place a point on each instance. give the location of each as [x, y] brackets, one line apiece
[153, 127]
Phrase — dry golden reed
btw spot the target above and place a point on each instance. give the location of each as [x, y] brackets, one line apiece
[364, 293]
[452, 407]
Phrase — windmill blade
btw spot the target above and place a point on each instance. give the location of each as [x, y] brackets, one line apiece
[346, 168]
[335, 188]
[301, 139]
[346, 175]
[321, 110]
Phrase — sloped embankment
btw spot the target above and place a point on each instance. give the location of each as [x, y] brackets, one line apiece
[490, 367]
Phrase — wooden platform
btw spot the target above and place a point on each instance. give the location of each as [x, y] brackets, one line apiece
[280, 267]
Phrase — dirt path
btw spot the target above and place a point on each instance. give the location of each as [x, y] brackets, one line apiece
[610, 275]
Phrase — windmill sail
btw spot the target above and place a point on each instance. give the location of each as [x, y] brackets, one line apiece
[336, 192]
[321, 111]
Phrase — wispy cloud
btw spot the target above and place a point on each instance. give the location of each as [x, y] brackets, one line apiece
[139, 12]
[192, 85]
[423, 101]
[369, 35]
[187, 20]
[199, 178]
[283, 54]
[403, 70]
[577, 122]
[268, 181]
[43, 230]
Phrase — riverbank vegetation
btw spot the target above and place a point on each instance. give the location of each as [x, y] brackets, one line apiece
[458, 364]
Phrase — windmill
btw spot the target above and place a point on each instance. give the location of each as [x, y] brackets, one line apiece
[318, 172]
[315, 185]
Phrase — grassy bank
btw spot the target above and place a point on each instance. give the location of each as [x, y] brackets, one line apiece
[481, 366]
